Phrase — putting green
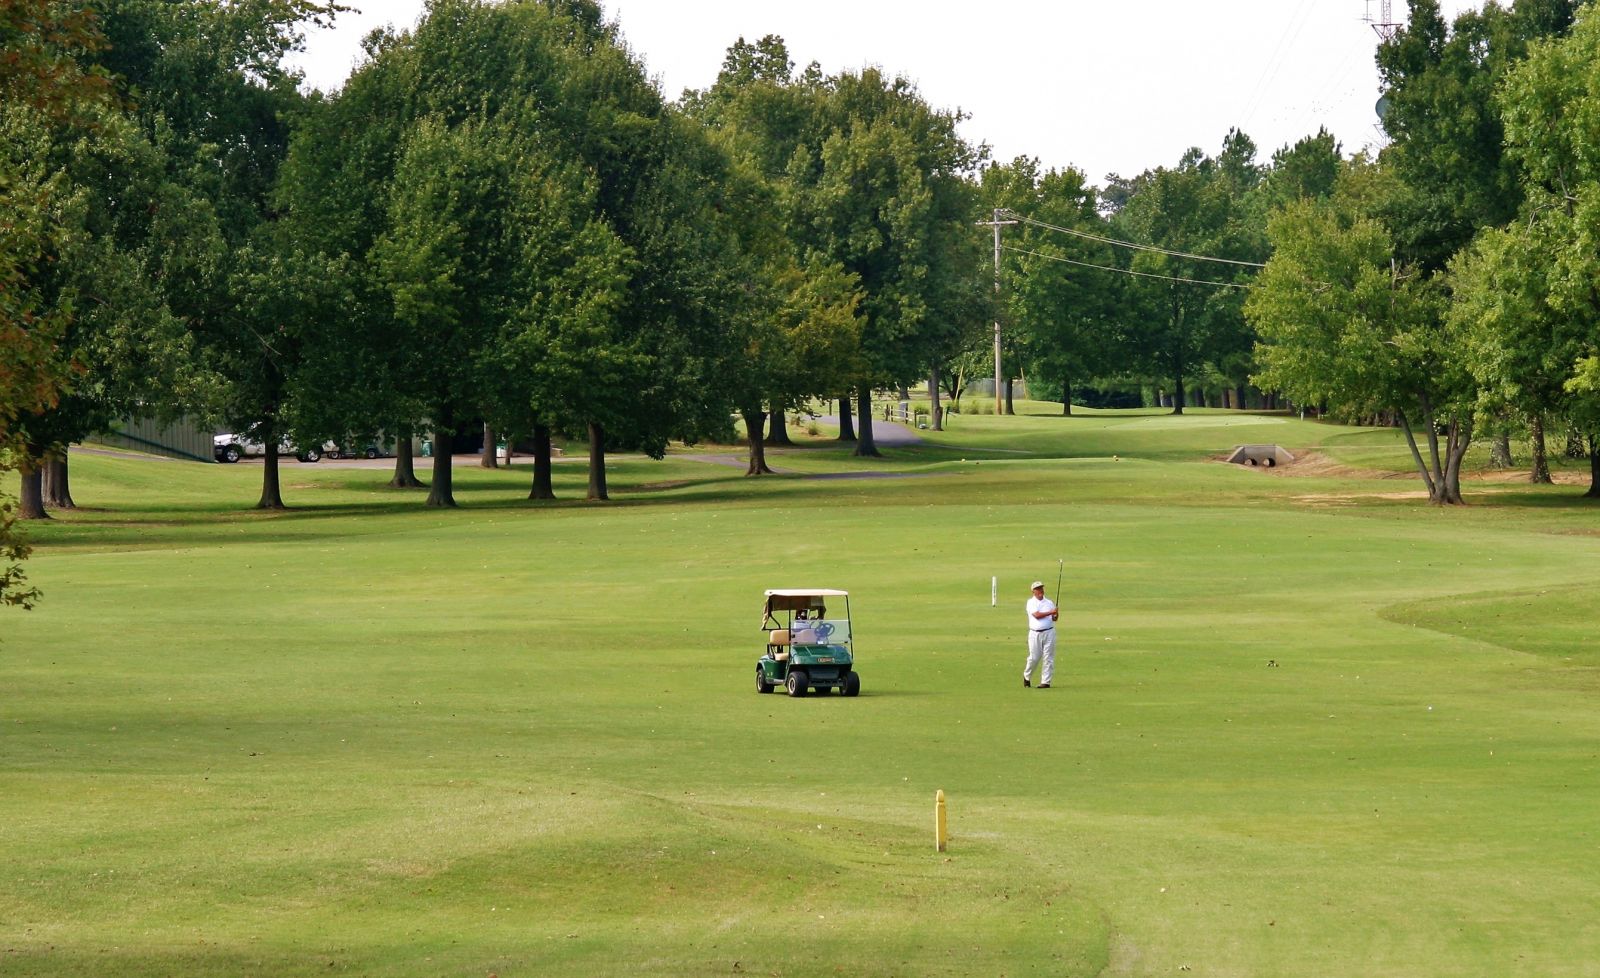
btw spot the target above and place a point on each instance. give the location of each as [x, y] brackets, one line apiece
[367, 738]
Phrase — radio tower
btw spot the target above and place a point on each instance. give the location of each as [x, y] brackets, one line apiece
[1385, 24]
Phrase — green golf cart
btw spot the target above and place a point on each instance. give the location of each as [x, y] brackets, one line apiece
[808, 648]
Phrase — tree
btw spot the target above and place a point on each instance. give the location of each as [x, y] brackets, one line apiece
[1522, 339]
[802, 322]
[47, 78]
[1201, 207]
[1342, 321]
[1308, 169]
[1446, 133]
[1060, 311]
[1529, 288]
[439, 262]
[1448, 141]
[885, 196]
[546, 82]
[1584, 386]
[289, 302]
[210, 94]
[105, 272]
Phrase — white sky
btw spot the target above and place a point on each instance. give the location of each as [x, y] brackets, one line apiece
[1104, 86]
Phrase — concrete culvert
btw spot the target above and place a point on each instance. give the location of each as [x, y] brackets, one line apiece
[1270, 456]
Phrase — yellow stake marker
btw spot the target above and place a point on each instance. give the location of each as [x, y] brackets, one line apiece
[940, 836]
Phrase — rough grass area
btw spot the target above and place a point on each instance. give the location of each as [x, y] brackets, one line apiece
[1302, 725]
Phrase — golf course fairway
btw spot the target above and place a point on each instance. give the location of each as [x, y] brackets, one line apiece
[1301, 725]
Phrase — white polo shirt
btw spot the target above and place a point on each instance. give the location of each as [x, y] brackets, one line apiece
[1040, 604]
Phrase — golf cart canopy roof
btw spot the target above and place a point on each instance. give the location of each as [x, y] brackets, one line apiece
[793, 599]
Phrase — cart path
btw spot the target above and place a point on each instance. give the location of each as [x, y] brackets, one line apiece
[887, 433]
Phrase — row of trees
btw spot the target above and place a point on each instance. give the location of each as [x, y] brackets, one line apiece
[1449, 283]
[500, 218]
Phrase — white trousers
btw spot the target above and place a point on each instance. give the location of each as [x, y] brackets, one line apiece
[1041, 645]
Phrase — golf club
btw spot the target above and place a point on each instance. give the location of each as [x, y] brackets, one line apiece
[1060, 564]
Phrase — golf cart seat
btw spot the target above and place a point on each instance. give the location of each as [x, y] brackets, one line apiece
[778, 643]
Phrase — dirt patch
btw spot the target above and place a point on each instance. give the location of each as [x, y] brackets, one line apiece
[1352, 498]
[1559, 477]
[1308, 462]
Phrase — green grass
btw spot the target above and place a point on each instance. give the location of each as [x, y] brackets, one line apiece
[1301, 726]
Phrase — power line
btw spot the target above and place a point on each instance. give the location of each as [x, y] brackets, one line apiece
[1130, 244]
[1128, 271]
[1291, 34]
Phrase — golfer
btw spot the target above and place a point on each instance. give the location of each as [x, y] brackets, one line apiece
[1042, 617]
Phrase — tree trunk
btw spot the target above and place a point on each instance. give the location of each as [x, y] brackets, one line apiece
[57, 488]
[1438, 492]
[936, 412]
[1240, 401]
[1416, 455]
[1066, 398]
[1460, 437]
[1594, 469]
[754, 421]
[30, 506]
[271, 488]
[1177, 394]
[597, 462]
[847, 432]
[491, 457]
[1500, 452]
[780, 428]
[1441, 474]
[1540, 476]
[405, 473]
[1010, 408]
[1575, 448]
[541, 464]
[864, 446]
[953, 392]
[442, 492]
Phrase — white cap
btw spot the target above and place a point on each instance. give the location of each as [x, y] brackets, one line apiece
[1038, 584]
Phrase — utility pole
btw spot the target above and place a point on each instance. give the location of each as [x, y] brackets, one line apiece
[997, 224]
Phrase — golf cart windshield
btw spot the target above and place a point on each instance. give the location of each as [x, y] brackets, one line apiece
[828, 631]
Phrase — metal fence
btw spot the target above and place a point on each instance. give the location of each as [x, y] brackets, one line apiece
[184, 439]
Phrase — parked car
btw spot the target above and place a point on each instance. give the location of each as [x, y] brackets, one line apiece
[229, 447]
[369, 450]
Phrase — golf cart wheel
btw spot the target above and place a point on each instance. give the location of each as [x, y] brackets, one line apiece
[232, 454]
[762, 686]
[334, 454]
[311, 455]
[852, 685]
[372, 453]
[798, 683]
